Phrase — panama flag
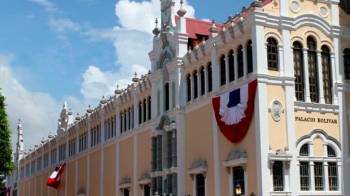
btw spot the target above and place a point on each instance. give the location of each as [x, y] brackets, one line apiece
[234, 111]
[54, 179]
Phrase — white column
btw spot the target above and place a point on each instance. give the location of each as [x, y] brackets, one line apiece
[117, 123]
[259, 50]
[281, 62]
[217, 163]
[286, 172]
[154, 99]
[215, 69]
[340, 178]
[136, 108]
[306, 75]
[334, 79]
[312, 176]
[326, 181]
[320, 77]
[236, 66]
[343, 124]
[245, 64]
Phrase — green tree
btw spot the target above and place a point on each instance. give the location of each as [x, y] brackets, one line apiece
[6, 163]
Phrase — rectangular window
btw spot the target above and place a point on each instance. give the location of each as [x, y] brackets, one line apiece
[71, 147]
[318, 169]
[39, 164]
[53, 156]
[166, 98]
[46, 160]
[333, 176]
[83, 142]
[157, 185]
[277, 170]
[200, 185]
[304, 176]
[238, 179]
[62, 152]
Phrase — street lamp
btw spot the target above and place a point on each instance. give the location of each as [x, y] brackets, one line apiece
[238, 190]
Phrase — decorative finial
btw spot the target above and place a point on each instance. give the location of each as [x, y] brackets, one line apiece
[135, 79]
[89, 110]
[77, 118]
[117, 91]
[213, 28]
[156, 30]
[182, 11]
[103, 100]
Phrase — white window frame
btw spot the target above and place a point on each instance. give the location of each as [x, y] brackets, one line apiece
[324, 159]
[241, 162]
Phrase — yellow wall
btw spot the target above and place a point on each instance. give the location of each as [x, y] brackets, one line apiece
[71, 175]
[109, 178]
[95, 168]
[126, 160]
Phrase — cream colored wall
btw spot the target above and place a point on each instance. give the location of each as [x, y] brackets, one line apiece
[144, 155]
[305, 128]
[202, 147]
[95, 174]
[126, 160]
[277, 130]
[71, 175]
[109, 178]
[311, 7]
[318, 147]
[82, 170]
[303, 32]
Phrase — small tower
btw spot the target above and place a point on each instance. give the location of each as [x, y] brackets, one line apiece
[20, 143]
[63, 121]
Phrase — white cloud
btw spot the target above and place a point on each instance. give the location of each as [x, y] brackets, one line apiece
[61, 25]
[39, 111]
[48, 5]
[141, 15]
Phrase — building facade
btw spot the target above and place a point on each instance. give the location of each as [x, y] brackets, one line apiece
[159, 136]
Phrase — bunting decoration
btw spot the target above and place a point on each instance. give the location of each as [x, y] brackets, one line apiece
[55, 177]
[234, 111]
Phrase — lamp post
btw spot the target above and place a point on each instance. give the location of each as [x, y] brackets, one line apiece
[238, 190]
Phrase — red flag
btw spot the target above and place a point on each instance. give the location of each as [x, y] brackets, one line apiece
[54, 179]
[234, 111]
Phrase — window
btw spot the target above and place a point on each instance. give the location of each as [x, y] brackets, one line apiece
[129, 118]
[32, 167]
[95, 135]
[272, 54]
[53, 156]
[231, 66]
[126, 192]
[210, 77]
[149, 102]
[171, 184]
[277, 170]
[71, 147]
[313, 75]
[331, 152]
[188, 81]
[299, 71]
[157, 153]
[202, 76]
[222, 70]
[304, 150]
[304, 176]
[200, 185]
[166, 102]
[144, 108]
[347, 63]
[238, 179]
[249, 57]
[240, 61]
[83, 142]
[39, 163]
[46, 160]
[333, 176]
[171, 149]
[157, 185]
[62, 152]
[140, 112]
[318, 170]
[195, 84]
[327, 74]
[146, 190]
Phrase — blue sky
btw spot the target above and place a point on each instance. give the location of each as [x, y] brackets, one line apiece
[76, 51]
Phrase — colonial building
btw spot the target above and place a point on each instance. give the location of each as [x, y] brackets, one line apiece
[257, 105]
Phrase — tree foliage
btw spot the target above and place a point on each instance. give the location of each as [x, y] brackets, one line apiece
[6, 164]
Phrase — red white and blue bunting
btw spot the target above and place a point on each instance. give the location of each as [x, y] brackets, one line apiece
[234, 111]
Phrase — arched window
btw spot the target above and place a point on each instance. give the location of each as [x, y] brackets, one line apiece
[144, 109]
[299, 71]
[277, 172]
[210, 77]
[129, 118]
[313, 75]
[327, 74]
[166, 97]
[304, 150]
[249, 57]
[149, 102]
[347, 63]
[240, 65]
[331, 152]
[188, 81]
[140, 112]
[231, 66]
[195, 84]
[222, 70]
[272, 54]
[202, 76]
